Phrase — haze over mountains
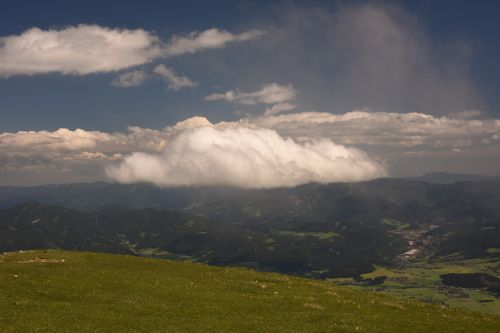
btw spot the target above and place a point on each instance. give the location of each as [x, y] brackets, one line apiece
[317, 230]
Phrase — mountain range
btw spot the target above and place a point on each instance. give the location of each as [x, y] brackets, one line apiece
[318, 230]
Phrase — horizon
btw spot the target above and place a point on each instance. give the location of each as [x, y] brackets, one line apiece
[421, 178]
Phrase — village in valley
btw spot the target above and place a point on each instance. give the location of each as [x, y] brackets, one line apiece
[419, 240]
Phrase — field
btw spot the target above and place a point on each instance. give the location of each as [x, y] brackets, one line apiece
[47, 291]
[421, 280]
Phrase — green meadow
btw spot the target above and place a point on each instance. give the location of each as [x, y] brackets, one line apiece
[421, 280]
[56, 291]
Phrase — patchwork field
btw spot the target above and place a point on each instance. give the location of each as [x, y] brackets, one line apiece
[422, 280]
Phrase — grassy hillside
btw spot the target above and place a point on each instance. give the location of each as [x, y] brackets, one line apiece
[47, 291]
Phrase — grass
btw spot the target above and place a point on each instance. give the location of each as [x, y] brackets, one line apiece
[396, 224]
[493, 250]
[55, 291]
[382, 271]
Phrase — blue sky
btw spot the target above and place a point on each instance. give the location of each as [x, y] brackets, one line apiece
[52, 101]
[402, 65]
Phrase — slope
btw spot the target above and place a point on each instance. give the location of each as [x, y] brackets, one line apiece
[51, 291]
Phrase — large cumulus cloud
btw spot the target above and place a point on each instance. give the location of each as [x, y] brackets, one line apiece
[245, 157]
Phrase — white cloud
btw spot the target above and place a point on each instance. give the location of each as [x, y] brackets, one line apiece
[365, 128]
[174, 81]
[79, 50]
[62, 139]
[130, 79]
[208, 39]
[279, 108]
[356, 128]
[192, 122]
[86, 49]
[244, 157]
[38, 157]
[466, 114]
[69, 142]
[269, 94]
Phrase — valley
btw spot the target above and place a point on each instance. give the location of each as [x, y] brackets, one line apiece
[423, 280]
[393, 236]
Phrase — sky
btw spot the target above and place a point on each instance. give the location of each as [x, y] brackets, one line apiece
[247, 93]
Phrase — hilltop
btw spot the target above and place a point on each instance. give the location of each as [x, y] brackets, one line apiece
[80, 291]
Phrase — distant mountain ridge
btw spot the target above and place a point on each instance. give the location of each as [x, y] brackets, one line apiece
[324, 230]
[90, 196]
[450, 178]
